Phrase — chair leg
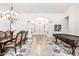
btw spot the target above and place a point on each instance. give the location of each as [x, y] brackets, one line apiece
[20, 45]
[15, 49]
[24, 41]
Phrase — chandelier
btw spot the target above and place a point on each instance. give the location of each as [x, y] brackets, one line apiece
[10, 15]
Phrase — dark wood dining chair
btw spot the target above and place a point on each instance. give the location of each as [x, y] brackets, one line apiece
[9, 34]
[23, 36]
[26, 37]
[16, 41]
[2, 35]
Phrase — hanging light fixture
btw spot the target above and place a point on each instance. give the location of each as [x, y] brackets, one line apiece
[10, 15]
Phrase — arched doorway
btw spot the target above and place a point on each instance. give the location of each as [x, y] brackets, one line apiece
[39, 26]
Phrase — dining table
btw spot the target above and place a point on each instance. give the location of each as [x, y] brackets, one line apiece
[3, 41]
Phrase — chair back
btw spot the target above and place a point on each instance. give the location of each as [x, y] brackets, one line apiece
[8, 34]
[18, 37]
[2, 35]
[24, 35]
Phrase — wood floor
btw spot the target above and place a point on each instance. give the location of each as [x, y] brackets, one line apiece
[39, 46]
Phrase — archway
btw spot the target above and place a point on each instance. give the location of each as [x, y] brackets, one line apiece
[39, 25]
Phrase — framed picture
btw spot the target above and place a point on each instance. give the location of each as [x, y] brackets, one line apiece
[57, 27]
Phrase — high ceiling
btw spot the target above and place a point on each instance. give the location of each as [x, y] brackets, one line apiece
[36, 7]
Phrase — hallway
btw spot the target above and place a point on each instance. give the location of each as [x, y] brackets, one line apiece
[39, 46]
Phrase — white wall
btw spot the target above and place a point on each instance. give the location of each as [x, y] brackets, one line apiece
[70, 13]
[4, 24]
[76, 19]
[73, 13]
[22, 23]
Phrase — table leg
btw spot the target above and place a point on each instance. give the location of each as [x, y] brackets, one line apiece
[73, 50]
[0, 49]
[55, 39]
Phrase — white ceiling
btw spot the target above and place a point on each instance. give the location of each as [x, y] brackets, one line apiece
[36, 7]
